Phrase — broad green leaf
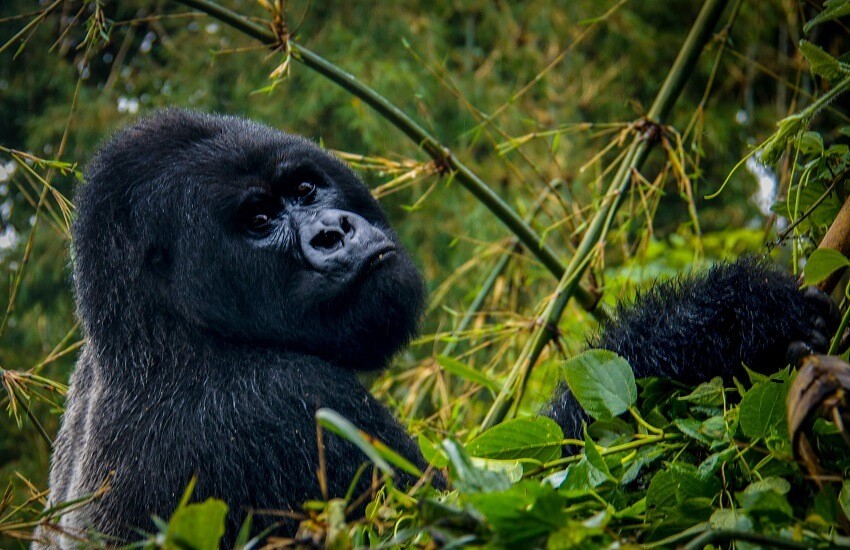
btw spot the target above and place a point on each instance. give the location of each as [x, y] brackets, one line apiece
[610, 431]
[713, 462]
[730, 519]
[509, 468]
[375, 450]
[580, 478]
[644, 457]
[458, 368]
[811, 143]
[691, 428]
[777, 484]
[602, 382]
[825, 211]
[469, 478]
[681, 482]
[763, 408]
[822, 263]
[523, 513]
[662, 490]
[432, 452]
[197, 526]
[832, 9]
[707, 393]
[537, 438]
[769, 503]
[821, 63]
[595, 458]
[826, 504]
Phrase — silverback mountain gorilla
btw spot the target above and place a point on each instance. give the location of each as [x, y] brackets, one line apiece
[232, 279]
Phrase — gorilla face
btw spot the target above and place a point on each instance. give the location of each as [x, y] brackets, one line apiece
[255, 236]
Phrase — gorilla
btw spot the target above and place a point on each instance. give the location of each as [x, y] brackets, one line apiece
[232, 279]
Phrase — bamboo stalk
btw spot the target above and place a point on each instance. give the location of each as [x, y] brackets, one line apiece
[838, 238]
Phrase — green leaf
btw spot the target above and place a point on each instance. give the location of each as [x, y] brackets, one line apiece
[811, 143]
[844, 497]
[602, 382]
[777, 484]
[730, 519]
[469, 478]
[594, 457]
[511, 469]
[765, 501]
[821, 63]
[538, 438]
[832, 9]
[458, 368]
[822, 263]
[579, 478]
[197, 526]
[713, 462]
[432, 452]
[681, 482]
[374, 449]
[691, 428]
[662, 490]
[763, 408]
[707, 393]
[521, 514]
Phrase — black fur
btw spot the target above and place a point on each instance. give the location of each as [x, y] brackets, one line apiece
[210, 347]
[695, 328]
[222, 308]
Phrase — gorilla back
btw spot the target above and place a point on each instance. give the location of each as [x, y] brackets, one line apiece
[231, 279]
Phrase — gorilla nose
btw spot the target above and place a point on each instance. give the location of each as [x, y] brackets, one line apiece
[337, 240]
[333, 237]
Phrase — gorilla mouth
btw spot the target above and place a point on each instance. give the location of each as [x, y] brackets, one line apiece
[379, 258]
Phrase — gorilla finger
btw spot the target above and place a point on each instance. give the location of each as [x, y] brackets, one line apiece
[818, 342]
[797, 351]
[825, 306]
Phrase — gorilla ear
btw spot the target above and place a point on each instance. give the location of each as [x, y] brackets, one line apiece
[159, 260]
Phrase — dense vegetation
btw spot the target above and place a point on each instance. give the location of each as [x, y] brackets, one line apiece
[562, 110]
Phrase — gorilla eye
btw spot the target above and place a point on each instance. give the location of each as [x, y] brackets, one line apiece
[259, 222]
[304, 189]
[257, 215]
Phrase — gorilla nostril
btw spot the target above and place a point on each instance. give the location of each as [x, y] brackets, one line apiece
[327, 240]
[345, 225]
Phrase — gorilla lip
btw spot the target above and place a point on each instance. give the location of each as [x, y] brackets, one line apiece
[379, 257]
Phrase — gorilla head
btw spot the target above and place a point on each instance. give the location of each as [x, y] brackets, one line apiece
[224, 228]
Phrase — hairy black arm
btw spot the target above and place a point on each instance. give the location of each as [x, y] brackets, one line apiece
[694, 328]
